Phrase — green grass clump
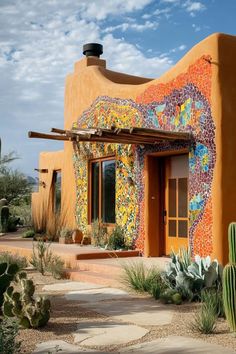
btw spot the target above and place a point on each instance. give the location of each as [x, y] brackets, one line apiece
[140, 278]
[215, 298]
[29, 234]
[205, 319]
[9, 258]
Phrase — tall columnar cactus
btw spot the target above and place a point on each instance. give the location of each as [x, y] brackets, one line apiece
[7, 274]
[4, 218]
[229, 280]
[3, 202]
[30, 312]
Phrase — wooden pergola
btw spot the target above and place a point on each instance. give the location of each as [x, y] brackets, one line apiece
[114, 135]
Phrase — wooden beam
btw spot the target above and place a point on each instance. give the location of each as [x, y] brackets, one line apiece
[137, 136]
[41, 170]
[59, 131]
[47, 136]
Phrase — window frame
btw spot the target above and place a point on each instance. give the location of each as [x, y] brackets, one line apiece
[100, 160]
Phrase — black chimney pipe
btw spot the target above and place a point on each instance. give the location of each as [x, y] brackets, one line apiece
[92, 49]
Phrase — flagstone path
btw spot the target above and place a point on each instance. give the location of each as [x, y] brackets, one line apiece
[128, 318]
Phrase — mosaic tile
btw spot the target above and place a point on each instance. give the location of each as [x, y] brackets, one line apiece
[182, 104]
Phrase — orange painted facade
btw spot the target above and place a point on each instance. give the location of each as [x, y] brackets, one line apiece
[197, 95]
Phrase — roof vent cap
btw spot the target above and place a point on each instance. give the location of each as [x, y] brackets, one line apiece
[92, 49]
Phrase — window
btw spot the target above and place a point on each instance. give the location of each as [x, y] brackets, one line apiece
[102, 190]
[56, 182]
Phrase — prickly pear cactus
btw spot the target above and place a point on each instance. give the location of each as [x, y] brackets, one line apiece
[229, 280]
[30, 312]
[7, 274]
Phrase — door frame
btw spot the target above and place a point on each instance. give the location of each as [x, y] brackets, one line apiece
[154, 194]
[174, 242]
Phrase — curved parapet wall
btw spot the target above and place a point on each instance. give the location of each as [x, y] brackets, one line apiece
[183, 104]
[196, 95]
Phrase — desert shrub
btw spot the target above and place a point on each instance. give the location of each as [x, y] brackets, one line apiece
[56, 267]
[10, 258]
[29, 234]
[12, 223]
[8, 333]
[23, 211]
[205, 319]
[140, 278]
[99, 236]
[189, 277]
[45, 261]
[116, 240]
[66, 233]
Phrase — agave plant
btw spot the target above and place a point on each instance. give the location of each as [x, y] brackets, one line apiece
[190, 277]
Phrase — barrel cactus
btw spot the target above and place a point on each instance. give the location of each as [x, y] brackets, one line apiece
[229, 280]
[30, 311]
[7, 274]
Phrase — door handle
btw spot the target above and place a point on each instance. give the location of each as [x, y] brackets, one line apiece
[164, 216]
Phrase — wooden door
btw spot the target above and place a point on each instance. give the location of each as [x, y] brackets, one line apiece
[176, 203]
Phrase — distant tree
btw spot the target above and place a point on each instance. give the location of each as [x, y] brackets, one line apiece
[6, 159]
[14, 186]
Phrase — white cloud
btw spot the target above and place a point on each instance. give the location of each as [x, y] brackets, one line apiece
[196, 28]
[158, 12]
[175, 2]
[193, 7]
[125, 57]
[100, 9]
[132, 26]
[182, 47]
[39, 43]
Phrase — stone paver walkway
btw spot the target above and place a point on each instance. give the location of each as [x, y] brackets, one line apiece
[107, 333]
[99, 294]
[141, 312]
[129, 318]
[177, 345]
[71, 286]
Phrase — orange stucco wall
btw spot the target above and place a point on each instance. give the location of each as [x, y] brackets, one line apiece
[91, 80]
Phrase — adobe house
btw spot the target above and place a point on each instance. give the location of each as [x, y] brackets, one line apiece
[154, 156]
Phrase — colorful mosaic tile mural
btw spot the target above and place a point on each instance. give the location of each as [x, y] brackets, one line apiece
[180, 105]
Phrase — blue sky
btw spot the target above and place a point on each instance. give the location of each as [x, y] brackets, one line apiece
[41, 40]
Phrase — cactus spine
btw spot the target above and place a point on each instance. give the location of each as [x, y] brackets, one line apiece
[229, 280]
[30, 312]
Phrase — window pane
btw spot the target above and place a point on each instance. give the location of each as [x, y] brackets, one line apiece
[57, 191]
[183, 197]
[108, 191]
[172, 198]
[172, 228]
[95, 190]
[183, 228]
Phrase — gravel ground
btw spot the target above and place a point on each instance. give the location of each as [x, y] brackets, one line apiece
[65, 316]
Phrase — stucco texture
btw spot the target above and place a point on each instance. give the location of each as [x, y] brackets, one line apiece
[197, 95]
